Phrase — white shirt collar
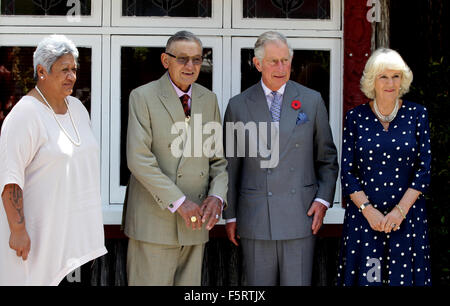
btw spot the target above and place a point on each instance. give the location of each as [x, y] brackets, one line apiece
[267, 91]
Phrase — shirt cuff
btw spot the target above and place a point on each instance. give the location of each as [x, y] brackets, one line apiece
[230, 220]
[323, 202]
[175, 205]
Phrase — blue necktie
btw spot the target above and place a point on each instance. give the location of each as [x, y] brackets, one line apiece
[275, 107]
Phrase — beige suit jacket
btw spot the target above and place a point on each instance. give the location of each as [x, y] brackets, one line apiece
[158, 178]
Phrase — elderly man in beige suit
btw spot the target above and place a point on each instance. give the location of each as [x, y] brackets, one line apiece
[172, 200]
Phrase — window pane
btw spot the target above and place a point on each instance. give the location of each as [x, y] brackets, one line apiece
[141, 65]
[310, 68]
[172, 8]
[44, 7]
[16, 77]
[295, 9]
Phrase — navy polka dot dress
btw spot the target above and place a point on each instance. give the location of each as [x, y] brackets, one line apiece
[384, 164]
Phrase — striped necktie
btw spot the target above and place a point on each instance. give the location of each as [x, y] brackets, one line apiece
[275, 107]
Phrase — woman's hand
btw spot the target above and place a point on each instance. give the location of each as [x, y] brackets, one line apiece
[392, 221]
[374, 217]
[20, 242]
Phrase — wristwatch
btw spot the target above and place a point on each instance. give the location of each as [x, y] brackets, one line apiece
[361, 208]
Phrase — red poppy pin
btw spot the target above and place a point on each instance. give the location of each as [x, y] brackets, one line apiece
[296, 104]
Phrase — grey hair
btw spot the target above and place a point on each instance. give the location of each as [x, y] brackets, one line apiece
[270, 37]
[183, 36]
[50, 49]
[384, 59]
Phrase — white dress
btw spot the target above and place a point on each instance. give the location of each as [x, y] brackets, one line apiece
[61, 192]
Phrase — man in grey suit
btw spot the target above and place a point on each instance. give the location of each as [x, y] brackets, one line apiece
[172, 200]
[276, 211]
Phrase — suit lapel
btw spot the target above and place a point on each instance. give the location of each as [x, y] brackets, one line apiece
[170, 100]
[288, 114]
[259, 112]
[198, 99]
[257, 105]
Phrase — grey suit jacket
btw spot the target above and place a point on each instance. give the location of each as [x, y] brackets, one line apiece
[272, 204]
[158, 178]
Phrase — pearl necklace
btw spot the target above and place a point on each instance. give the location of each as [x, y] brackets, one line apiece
[389, 117]
[77, 143]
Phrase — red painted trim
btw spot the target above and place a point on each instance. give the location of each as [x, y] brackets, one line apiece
[357, 49]
[114, 232]
[357, 44]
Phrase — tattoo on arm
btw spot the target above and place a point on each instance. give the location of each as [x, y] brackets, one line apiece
[16, 198]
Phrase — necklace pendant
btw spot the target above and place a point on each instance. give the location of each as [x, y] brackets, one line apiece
[76, 143]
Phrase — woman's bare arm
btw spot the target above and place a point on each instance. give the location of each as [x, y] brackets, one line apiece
[19, 240]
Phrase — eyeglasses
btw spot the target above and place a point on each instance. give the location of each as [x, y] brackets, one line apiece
[183, 60]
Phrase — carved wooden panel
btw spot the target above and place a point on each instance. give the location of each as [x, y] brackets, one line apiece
[357, 44]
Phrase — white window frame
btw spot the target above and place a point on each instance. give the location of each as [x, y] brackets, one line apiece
[93, 42]
[334, 23]
[333, 45]
[117, 191]
[106, 33]
[215, 21]
[95, 19]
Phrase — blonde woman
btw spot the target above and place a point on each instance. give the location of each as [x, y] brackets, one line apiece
[385, 172]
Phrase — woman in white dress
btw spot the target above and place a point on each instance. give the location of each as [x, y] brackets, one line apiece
[51, 217]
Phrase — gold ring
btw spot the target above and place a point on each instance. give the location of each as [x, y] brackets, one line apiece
[393, 225]
[193, 219]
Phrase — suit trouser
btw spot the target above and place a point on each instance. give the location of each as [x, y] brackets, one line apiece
[278, 262]
[150, 264]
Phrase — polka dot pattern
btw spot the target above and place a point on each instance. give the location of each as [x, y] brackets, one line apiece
[384, 164]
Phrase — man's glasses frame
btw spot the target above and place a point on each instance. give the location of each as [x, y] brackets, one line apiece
[183, 60]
